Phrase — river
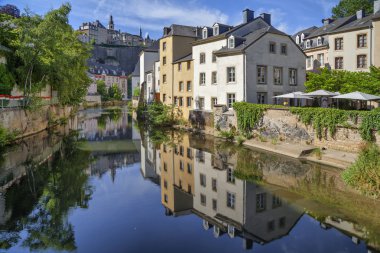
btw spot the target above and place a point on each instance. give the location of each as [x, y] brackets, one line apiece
[101, 184]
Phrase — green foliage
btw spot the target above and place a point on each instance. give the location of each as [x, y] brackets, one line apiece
[344, 81]
[136, 92]
[114, 92]
[160, 114]
[364, 174]
[228, 135]
[370, 123]
[346, 8]
[240, 140]
[6, 80]
[49, 52]
[248, 115]
[6, 137]
[102, 90]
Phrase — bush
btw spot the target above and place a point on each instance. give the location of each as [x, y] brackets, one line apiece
[364, 174]
[240, 140]
[160, 115]
[6, 137]
[136, 92]
[228, 135]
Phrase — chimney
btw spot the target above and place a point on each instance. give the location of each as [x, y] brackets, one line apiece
[166, 30]
[327, 21]
[248, 15]
[266, 17]
[376, 6]
[360, 14]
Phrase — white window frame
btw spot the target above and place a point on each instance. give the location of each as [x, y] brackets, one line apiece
[231, 75]
[231, 100]
[216, 30]
[204, 33]
[202, 78]
[231, 42]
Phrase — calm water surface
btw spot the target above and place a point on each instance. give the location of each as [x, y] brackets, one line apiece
[110, 187]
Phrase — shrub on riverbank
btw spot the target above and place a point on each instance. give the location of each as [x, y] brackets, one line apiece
[5, 137]
[364, 174]
[160, 115]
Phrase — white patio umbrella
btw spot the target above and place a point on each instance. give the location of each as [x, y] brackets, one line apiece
[358, 96]
[295, 95]
[322, 93]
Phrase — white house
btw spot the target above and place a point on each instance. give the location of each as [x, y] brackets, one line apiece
[250, 62]
[148, 58]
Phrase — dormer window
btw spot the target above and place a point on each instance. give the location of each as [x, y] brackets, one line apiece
[308, 44]
[298, 39]
[302, 37]
[319, 41]
[231, 42]
[216, 30]
[205, 33]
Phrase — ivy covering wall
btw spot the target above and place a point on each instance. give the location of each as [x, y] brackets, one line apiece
[323, 120]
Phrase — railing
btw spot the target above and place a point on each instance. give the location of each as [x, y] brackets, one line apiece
[9, 101]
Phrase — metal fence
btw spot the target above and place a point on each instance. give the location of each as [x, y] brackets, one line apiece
[8, 101]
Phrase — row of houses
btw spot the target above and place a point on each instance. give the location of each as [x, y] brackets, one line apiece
[196, 68]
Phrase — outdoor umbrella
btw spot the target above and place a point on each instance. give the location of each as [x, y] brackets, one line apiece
[322, 93]
[296, 95]
[358, 96]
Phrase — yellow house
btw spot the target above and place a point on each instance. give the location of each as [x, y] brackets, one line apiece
[175, 47]
[177, 176]
[183, 85]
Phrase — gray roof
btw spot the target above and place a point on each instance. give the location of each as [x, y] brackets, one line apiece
[136, 71]
[249, 39]
[183, 59]
[182, 30]
[365, 22]
[99, 69]
[306, 31]
[155, 47]
[331, 27]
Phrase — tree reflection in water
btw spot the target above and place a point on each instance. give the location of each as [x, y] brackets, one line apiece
[41, 202]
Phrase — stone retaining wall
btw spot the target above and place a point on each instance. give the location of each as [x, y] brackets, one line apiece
[283, 125]
[30, 122]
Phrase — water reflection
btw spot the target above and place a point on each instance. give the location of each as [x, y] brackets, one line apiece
[102, 189]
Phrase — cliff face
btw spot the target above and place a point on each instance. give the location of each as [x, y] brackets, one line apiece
[121, 57]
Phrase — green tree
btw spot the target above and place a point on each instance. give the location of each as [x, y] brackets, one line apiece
[115, 92]
[102, 90]
[345, 81]
[347, 8]
[6, 80]
[50, 53]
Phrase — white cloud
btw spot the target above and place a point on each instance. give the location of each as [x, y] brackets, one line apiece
[278, 18]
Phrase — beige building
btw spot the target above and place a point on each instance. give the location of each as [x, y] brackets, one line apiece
[183, 86]
[350, 43]
[174, 46]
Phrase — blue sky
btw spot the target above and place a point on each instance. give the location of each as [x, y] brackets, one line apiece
[152, 15]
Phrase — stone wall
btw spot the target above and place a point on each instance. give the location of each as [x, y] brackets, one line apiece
[202, 120]
[282, 124]
[27, 122]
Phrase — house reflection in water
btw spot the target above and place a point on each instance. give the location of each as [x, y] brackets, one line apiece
[196, 178]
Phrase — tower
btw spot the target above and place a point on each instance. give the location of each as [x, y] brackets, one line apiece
[111, 25]
[140, 32]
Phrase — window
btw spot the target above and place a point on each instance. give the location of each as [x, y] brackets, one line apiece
[231, 42]
[175, 100]
[276, 201]
[188, 86]
[260, 202]
[202, 78]
[284, 49]
[189, 168]
[230, 176]
[165, 184]
[321, 59]
[338, 62]
[164, 98]
[202, 58]
[179, 66]
[149, 78]
[164, 46]
[309, 61]
[201, 103]
[188, 101]
[231, 75]
[261, 98]
[165, 167]
[362, 61]
[214, 205]
[270, 226]
[205, 33]
[166, 198]
[319, 41]
[339, 44]
[214, 79]
[261, 74]
[292, 76]
[277, 76]
[181, 166]
[230, 99]
[164, 60]
[216, 30]
[180, 86]
[180, 101]
[189, 188]
[214, 185]
[298, 39]
[189, 153]
[213, 57]
[181, 151]
[231, 200]
[203, 200]
[302, 37]
[282, 222]
[164, 78]
[362, 40]
[188, 65]
[202, 178]
[214, 101]
[272, 47]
